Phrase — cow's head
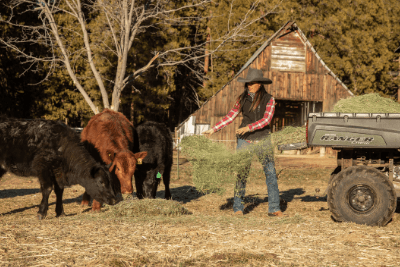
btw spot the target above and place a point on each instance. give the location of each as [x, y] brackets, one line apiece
[125, 164]
[100, 185]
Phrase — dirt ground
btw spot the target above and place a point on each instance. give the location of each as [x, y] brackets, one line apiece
[209, 236]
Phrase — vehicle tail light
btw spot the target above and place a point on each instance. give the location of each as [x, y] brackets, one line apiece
[307, 131]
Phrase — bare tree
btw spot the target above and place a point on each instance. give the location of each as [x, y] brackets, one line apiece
[125, 21]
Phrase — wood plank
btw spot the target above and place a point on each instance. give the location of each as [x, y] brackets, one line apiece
[230, 96]
[268, 86]
[297, 85]
[321, 86]
[212, 109]
[224, 100]
[312, 86]
[300, 88]
[274, 84]
[200, 114]
[279, 83]
[218, 107]
[324, 92]
[305, 96]
[317, 86]
[285, 84]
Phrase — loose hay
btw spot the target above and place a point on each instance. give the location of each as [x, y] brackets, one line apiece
[214, 165]
[369, 103]
[146, 207]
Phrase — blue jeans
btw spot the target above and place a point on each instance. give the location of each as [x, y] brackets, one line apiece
[268, 164]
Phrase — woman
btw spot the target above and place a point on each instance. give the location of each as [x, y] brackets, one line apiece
[257, 107]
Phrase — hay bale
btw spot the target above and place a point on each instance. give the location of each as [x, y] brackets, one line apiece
[146, 207]
[368, 103]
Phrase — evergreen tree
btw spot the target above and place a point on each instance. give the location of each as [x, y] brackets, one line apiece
[354, 38]
[20, 92]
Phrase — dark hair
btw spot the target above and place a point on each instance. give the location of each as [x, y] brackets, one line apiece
[257, 98]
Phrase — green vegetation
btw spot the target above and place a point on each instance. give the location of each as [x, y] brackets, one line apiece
[369, 103]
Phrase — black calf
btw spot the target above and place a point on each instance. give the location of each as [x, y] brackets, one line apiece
[156, 139]
[52, 151]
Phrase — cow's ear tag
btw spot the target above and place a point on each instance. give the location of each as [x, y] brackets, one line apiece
[109, 155]
[158, 175]
[139, 161]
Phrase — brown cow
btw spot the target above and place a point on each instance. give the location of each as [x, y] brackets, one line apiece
[111, 134]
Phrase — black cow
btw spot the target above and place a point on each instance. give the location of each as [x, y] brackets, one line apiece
[156, 139]
[52, 152]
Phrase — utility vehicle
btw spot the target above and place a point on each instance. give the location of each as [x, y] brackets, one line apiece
[366, 183]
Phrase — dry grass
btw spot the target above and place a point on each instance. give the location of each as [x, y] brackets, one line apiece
[209, 236]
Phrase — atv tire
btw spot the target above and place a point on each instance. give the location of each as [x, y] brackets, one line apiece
[362, 195]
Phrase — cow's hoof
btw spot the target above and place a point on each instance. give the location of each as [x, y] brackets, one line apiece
[84, 203]
[61, 215]
[41, 216]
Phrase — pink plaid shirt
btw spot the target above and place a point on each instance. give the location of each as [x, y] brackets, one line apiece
[269, 113]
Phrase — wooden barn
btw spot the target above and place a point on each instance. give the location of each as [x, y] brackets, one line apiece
[301, 83]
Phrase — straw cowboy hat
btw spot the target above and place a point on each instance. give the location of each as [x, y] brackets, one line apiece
[254, 76]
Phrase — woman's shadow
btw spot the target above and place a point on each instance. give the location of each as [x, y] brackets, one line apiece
[252, 201]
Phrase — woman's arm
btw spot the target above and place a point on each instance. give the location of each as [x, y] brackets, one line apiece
[225, 120]
[269, 113]
[232, 114]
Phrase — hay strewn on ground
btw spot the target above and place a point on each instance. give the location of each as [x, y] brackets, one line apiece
[146, 207]
[214, 165]
[369, 103]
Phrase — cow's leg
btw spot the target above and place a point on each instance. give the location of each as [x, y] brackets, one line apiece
[59, 204]
[150, 184]
[46, 188]
[96, 206]
[85, 199]
[139, 185]
[2, 172]
[166, 180]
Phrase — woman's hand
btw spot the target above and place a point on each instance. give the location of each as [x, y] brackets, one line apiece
[243, 130]
[208, 132]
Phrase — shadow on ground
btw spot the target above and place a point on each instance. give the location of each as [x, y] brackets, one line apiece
[65, 201]
[182, 194]
[252, 201]
[9, 193]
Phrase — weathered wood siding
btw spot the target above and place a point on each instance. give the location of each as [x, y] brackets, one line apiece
[288, 53]
[296, 73]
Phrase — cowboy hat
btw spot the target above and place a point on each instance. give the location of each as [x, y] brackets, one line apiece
[254, 75]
